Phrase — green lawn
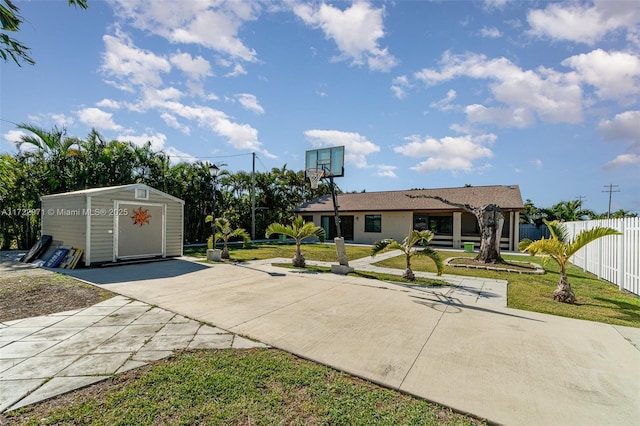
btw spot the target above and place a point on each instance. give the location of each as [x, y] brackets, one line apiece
[319, 252]
[598, 300]
[252, 387]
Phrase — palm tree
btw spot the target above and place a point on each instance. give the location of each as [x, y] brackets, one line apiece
[298, 230]
[560, 249]
[414, 238]
[224, 232]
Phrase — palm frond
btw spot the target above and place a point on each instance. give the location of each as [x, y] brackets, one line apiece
[278, 228]
[585, 237]
[380, 245]
[433, 255]
[558, 230]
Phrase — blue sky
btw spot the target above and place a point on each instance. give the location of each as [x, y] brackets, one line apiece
[422, 94]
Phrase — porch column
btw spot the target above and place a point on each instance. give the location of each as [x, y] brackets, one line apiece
[516, 230]
[457, 230]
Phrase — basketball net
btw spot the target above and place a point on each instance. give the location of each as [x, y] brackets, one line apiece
[314, 176]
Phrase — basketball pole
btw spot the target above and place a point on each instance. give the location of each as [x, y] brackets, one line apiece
[336, 214]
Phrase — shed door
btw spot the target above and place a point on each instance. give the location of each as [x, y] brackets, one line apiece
[140, 229]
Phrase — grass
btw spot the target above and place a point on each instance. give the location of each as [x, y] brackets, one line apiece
[598, 300]
[253, 387]
[259, 251]
[370, 275]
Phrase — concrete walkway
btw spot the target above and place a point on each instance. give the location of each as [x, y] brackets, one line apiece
[509, 366]
[461, 348]
[43, 357]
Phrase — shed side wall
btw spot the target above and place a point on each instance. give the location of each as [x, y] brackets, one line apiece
[64, 219]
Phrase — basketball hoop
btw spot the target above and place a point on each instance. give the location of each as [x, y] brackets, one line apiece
[314, 175]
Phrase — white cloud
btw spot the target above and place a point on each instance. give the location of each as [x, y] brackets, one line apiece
[445, 103]
[399, 86]
[448, 153]
[195, 68]
[623, 160]
[624, 127]
[157, 140]
[355, 30]
[130, 64]
[237, 70]
[240, 136]
[585, 23]
[549, 95]
[490, 32]
[14, 136]
[503, 117]
[108, 103]
[615, 75]
[357, 147]
[384, 170]
[211, 24]
[172, 121]
[158, 143]
[97, 118]
[250, 102]
[498, 4]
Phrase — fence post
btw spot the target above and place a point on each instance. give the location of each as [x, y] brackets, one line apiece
[585, 265]
[620, 256]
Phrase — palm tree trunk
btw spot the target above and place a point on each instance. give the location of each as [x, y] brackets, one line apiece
[563, 292]
[298, 259]
[408, 273]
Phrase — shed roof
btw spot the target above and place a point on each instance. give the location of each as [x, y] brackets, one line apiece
[109, 189]
[508, 197]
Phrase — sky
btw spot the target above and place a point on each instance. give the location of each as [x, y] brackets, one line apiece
[422, 94]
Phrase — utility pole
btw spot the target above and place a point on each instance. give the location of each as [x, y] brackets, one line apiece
[610, 191]
[581, 198]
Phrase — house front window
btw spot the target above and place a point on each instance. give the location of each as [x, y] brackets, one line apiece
[373, 223]
[441, 224]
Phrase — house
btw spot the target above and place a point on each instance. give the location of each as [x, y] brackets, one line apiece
[370, 216]
[115, 223]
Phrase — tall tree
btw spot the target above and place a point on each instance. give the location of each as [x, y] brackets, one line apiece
[490, 220]
[567, 211]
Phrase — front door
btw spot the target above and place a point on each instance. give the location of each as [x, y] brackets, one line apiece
[346, 226]
[140, 230]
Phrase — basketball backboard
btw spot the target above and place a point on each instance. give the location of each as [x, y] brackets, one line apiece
[331, 160]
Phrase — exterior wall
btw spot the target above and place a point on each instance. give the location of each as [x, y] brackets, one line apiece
[175, 229]
[63, 218]
[396, 225]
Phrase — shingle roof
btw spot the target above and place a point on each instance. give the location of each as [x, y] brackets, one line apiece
[508, 197]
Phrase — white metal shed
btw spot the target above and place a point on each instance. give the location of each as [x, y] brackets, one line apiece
[116, 223]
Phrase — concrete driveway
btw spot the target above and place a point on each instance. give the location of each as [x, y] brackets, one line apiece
[509, 366]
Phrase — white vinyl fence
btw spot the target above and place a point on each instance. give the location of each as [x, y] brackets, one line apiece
[615, 258]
